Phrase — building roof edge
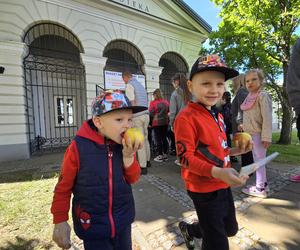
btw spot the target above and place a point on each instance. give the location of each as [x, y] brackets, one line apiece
[193, 14]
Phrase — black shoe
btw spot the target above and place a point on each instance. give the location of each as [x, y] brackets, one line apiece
[173, 152]
[144, 171]
[148, 164]
[189, 241]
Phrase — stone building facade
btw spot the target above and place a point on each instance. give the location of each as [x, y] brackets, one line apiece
[57, 53]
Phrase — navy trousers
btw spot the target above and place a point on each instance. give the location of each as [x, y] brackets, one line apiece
[122, 241]
[217, 219]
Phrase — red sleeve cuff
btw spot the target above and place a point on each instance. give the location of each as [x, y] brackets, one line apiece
[61, 217]
[207, 170]
[133, 172]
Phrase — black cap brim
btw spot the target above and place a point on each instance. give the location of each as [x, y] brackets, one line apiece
[228, 72]
[135, 109]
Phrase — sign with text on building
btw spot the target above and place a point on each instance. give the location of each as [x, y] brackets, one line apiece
[135, 4]
[114, 80]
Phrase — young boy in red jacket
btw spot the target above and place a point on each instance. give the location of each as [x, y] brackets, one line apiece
[98, 168]
[205, 157]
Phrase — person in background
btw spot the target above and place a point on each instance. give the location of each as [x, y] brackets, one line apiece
[257, 121]
[98, 168]
[137, 95]
[293, 90]
[226, 112]
[240, 93]
[298, 128]
[179, 98]
[159, 109]
[202, 148]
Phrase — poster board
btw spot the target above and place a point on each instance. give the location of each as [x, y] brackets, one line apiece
[114, 80]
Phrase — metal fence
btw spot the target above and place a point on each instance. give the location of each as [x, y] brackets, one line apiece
[54, 86]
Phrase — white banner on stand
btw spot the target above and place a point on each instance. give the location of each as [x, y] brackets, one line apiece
[113, 80]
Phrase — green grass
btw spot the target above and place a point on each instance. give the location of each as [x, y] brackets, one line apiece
[289, 154]
[25, 218]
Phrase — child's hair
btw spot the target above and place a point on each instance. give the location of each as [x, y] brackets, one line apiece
[238, 82]
[259, 73]
[186, 94]
[157, 94]
[227, 97]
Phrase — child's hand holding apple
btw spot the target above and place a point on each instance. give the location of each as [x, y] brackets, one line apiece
[133, 140]
[243, 143]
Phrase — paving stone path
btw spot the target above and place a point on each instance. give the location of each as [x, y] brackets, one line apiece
[169, 237]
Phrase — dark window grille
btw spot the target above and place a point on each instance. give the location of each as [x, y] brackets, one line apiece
[123, 56]
[53, 71]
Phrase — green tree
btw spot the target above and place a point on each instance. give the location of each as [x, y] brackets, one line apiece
[259, 34]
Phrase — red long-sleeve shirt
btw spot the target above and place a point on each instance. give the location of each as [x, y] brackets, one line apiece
[201, 144]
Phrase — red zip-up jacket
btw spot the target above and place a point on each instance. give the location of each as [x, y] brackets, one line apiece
[201, 144]
[70, 167]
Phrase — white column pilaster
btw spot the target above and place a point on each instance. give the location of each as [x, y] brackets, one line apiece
[13, 120]
[152, 78]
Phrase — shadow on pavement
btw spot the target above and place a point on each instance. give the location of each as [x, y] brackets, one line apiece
[26, 175]
[21, 244]
[36, 168]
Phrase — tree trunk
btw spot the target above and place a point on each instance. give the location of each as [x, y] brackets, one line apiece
[287, 114]
[286, 123]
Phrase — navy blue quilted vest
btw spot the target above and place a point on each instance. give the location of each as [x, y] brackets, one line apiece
[103, 203]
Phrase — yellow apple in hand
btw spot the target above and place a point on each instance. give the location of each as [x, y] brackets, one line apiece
[242, 140]
[134, 134]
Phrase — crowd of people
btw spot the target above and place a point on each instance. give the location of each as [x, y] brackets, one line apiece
[197, 124]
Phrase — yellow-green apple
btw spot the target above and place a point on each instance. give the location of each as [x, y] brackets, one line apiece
[242, 139]
[134, 134]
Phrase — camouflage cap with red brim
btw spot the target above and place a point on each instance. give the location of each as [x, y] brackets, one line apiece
[108, 101]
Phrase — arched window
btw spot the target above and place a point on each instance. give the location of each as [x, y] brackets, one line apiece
[172, 63]
[55, 86]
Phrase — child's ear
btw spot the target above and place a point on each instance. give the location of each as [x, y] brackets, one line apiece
[97, 122]
[189, 84]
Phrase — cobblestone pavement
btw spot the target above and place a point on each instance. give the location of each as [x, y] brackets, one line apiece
[170, 237]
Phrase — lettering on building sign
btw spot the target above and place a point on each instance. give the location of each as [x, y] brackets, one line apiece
[134, 4]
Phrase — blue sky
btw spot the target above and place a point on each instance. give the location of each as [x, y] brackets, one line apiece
[207, 10]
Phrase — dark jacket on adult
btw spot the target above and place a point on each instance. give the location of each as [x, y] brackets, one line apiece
[237, 113]
[293, 78]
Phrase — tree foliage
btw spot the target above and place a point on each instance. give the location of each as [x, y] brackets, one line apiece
[259, 34]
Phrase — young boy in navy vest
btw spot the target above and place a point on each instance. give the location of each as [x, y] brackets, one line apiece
[98, 168]
[204, 155]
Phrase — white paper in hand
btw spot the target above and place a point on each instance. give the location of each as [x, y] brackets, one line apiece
[249, 169]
